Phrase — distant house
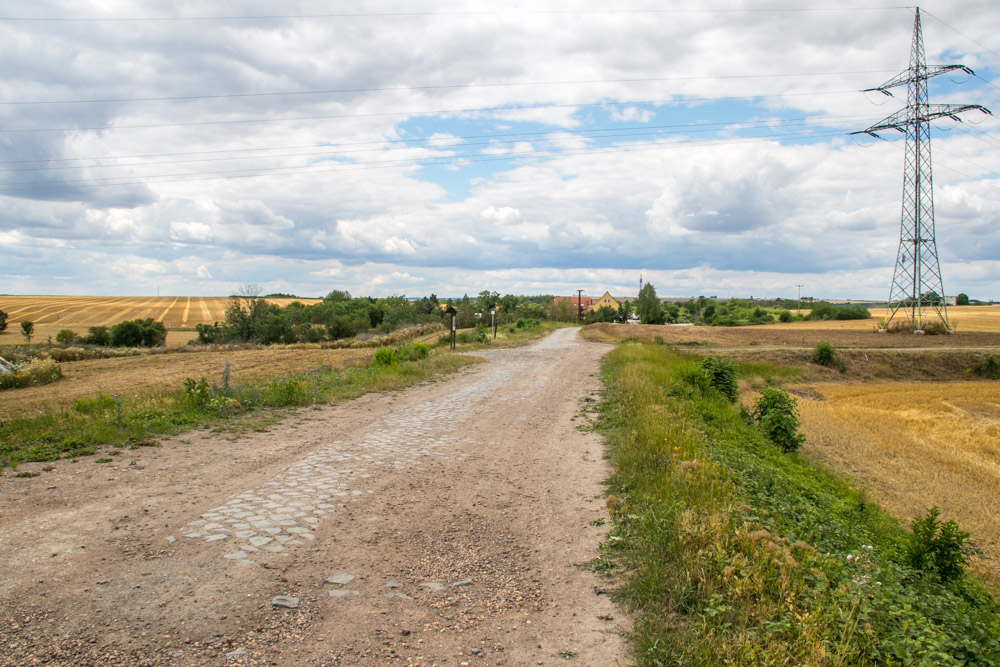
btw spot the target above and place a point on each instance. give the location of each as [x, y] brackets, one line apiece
[606, 300]
[588, 303]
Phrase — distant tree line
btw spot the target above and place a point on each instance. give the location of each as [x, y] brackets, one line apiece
[733, 312]
[251, 318]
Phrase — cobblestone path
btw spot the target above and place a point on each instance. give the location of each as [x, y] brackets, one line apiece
[285, 510]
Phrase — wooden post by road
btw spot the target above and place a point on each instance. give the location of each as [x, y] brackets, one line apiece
[452, 311]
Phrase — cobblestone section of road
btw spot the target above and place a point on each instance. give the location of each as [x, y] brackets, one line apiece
[285, 510]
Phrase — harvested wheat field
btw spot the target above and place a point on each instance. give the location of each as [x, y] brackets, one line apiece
[857, 334]
[155, 373]
[916, 445]
[179, 314]
[962, 319]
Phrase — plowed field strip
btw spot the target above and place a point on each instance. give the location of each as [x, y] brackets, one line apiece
[187, 311]
[163, 316]
[127, 313]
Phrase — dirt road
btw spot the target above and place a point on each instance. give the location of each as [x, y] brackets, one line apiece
[448, 524]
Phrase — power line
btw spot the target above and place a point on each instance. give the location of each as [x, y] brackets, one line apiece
[499, 12]
[340, 91]
[954, 29]
[431, 161]
[430, 112]
[613, 133]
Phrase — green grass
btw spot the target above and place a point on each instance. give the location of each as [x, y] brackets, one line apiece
[123, 422]
[732, 553]
[508, 335]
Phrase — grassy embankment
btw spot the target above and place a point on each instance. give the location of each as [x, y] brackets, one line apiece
[87, 424]
[732, 552]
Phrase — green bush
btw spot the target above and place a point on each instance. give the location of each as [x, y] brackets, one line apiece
[694, 375]
[774, 413]
[208, 333]
[97, 336]
[824, 354]
[385, 356]
[139, 333]
[65, 336]
[822, 310]
[722, 376]
[27, 330]
[3, 321]
[936, 547]
[989, 366]
[412, 352]
[784, 316]
[290, 391]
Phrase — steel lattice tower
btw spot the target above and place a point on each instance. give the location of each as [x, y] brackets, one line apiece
[916, 280]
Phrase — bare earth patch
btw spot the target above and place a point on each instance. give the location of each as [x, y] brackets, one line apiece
[442, 525]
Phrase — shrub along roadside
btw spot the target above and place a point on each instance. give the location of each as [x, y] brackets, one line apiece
[33, 372]
[733, 552]
[121, 421]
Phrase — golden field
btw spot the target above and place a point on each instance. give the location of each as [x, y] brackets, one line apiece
[915, 445]
[962, 318]
[50, 314]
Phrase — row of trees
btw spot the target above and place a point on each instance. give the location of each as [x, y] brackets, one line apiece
[251, 318]
[734, 312]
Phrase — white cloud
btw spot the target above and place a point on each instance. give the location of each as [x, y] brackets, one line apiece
[502, 215]
[632, 114]
[342, 195]
[203, 272]
[190, 231]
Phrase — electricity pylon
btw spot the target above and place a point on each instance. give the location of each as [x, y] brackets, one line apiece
[916, 280]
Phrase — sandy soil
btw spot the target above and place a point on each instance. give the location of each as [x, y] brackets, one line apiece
[461, 508]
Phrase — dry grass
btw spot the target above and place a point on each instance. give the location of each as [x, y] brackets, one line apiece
[50, 314]
[153, 374]
[917, 445]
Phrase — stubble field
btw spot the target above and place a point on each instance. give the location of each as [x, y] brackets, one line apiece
[50, 314]
[910, 418]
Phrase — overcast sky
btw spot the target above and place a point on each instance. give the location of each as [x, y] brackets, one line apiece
[188, 148]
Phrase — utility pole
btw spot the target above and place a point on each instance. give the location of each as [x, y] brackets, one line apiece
[917, 276]
[579, 304]
[800, 297]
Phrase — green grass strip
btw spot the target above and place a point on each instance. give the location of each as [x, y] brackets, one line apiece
[732, 553]
[118, 421]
